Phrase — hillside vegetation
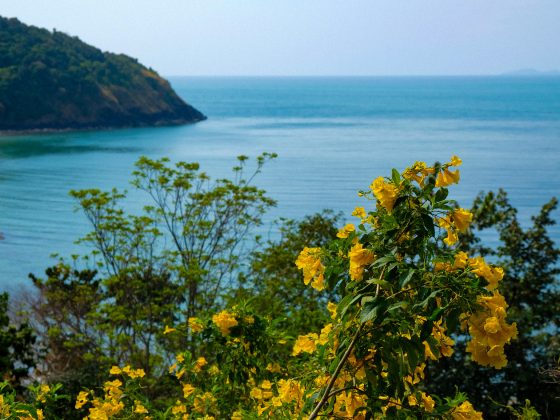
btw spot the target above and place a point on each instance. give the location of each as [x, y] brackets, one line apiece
[49, 80]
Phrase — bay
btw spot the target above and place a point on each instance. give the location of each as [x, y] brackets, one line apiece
[332, 135]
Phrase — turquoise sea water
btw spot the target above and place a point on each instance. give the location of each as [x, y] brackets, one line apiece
[333, 136]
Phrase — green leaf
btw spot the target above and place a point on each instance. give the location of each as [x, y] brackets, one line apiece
[441, 194]
[433, 343]
[406, 277]
[452, 320]
[346, 303]
[398, 305]
[415, 351]
[372, 310]
[425, 302]
[383, 261]
[428, 224]
[396, 177]
[435, 314]
[382, 283]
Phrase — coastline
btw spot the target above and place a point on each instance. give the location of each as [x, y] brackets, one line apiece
[52, 130]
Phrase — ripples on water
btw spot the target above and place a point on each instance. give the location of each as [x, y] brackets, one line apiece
[333, 136]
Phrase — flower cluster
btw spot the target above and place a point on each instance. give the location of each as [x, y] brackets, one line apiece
[490, 332]
[224, 321]
[359, 258]
[477, 265]
[455, 222]
[418, 172]
[402, 303]
[112, 403]
[447, 177]
[385, 192]
[309, 260]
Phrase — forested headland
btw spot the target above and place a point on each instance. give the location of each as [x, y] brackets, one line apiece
[53, 81]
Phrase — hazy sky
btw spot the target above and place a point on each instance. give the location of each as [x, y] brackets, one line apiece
[312, 37]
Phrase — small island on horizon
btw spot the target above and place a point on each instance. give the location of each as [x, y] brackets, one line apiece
[51, 81]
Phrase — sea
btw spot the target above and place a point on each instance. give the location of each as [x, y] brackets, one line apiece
[333, 136]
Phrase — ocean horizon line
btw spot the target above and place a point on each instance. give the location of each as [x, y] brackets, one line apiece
[373, 76]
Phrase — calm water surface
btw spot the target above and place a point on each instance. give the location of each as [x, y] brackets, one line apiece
[333, 136]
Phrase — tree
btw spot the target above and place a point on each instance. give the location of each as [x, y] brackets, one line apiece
[17, 355]
[531, 288]
[150, 271]
[273, 283]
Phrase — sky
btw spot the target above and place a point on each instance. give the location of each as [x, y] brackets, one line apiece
[312, 37]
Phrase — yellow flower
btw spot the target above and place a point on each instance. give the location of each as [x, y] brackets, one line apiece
[168, 330]
[490, 332]
[224, 320]
[188, 389]
[359, 259]
[214, 370]
[462, 219]
[43, 391]
[313, 270]
[40, 415]
[195, 324]
[385, 192]
[262, 408]
[451, 238]
[359, 212]
[305, 343]
[4, 407]
[236, 415]
[290, 390]
[115, 370]
[274, 368]
[134, 373]
[81, 399]
[139, 408]
[345, 231]
[492, 274]
[412, 401]
[200, 363]
[428, 402]
[331, 307]
[112, 389]
[461, 260]
[418, 374]
[445, 222]
[418, 172]
[447, 177]
[466, 412]
[324, 336]
[455, 161]
[351, 401]
[178, 408]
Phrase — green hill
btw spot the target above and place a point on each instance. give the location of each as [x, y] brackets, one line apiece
[49, 80]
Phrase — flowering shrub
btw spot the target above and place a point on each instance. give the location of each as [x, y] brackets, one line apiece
[402, 286]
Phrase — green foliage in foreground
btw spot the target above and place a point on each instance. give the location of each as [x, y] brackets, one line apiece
[183, 257]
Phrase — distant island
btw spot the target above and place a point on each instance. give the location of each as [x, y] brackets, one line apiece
[52, 81]
[531, 72]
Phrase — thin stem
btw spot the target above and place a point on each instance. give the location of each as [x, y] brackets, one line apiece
[335, 374]
[326, 394]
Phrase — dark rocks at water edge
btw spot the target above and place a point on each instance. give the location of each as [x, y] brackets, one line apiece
[52, 81]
